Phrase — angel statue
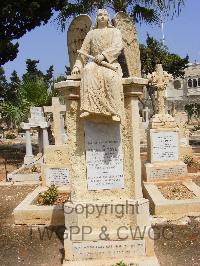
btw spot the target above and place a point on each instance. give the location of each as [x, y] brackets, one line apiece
[101, 89]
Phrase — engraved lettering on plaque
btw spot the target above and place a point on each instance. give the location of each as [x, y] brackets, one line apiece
[57, 176]
[104, 157]
[165, 146]
[109, 249]
[166, 172]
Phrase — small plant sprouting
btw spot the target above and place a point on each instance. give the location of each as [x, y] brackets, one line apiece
[50, 196]
[188, 159]
[121, 263]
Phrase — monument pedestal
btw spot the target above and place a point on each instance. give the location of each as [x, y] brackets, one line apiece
[163, 158]
[106, 231]
[106, 184]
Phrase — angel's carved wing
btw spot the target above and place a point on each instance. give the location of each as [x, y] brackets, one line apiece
[130, 58]
[77, 31]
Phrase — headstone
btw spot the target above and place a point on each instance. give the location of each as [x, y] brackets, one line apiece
[165, 146]
[104, 157]
[164, 161]
[37, 116]
[38, 122]
[57, 109]
[57, 176]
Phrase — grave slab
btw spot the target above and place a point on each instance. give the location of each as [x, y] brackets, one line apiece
[27, 212]
[172, 208]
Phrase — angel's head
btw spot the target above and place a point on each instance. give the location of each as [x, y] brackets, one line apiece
[102, 19]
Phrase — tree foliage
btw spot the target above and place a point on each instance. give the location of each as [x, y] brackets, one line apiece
[154, 52]
[18, 17]
[34, 89]
[148, 11]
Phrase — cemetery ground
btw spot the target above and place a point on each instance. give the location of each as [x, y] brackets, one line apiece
[25, 245]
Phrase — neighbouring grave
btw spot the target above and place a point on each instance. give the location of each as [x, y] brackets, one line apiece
[36, 121]
[163, 156]
[164, 170]
[55, 170]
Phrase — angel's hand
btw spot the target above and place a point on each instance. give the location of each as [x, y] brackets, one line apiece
[99, 58]
[75, 71]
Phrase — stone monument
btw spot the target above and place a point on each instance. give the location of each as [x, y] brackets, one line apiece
[163, 137]
[56, 167]
[181, 119]
[36, 121]
[102, 118]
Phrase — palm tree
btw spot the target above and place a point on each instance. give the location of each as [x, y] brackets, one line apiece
[149, 11]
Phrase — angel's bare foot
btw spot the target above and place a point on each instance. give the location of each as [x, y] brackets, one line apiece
[116, 118]
[84, 114]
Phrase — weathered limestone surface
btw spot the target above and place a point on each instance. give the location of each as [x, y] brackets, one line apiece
[181, 119]
[131, 46]
[56, 160]
[130, 141]
[76, 33]
[102, 120]
[129, 197]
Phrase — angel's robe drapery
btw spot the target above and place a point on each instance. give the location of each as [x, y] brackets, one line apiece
[101, 88]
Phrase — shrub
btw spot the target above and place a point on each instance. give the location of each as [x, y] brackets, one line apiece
[35, 169]
[121, 263]
[10, 136]
[50, 196]
[188, 159]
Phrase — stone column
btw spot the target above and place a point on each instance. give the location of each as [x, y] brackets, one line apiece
[132, 89]
[40, 140]
[45, 137]
[29, 151]
[29, 157]
[64, 136]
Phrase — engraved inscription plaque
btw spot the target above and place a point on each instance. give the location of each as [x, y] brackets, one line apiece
[157, 173]
[104, 157]
[57, 176]
[108, 249]
[165, 146]
[37, 114]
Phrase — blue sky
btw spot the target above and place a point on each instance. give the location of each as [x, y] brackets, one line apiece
[48, 44]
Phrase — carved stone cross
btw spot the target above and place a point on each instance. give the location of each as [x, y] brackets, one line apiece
[160, 80]
[56, 109]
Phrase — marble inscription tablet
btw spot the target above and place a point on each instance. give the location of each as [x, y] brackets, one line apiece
[104, 157]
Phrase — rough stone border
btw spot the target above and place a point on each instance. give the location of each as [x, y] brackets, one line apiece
[171, 208]
[28, 213]
[23, 183]
[15, 177]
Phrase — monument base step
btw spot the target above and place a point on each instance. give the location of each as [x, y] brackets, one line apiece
[140, 261]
